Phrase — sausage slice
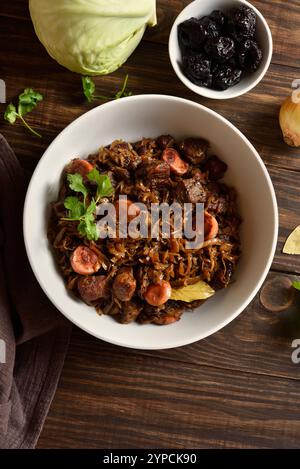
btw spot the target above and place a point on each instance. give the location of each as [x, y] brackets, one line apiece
[84, 261]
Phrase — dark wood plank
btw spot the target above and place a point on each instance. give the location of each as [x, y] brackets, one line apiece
[255, 114]
[283, 19]
[108, 398]
[237, 388]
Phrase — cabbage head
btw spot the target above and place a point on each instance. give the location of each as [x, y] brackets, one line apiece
[91, 37]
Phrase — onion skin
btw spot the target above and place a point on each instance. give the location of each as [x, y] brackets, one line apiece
[289, 119]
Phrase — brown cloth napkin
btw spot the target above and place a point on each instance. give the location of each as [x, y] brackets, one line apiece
[33, 334]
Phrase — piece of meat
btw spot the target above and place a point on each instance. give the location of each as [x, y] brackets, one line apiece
[190, 190]
[145, 147]
[194, 149]
[130, 311]
[215, 167]
[92, 288]
[122, 154]
[157, 173]
[121, 174]
[124, 285]
[165, 141]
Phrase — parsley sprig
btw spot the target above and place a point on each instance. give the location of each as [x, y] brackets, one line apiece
[28, 100]
[79, 210]
[89, 89]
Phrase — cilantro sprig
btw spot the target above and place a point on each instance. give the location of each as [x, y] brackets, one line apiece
[104, 185]
[28, 100]
[89, 90]
[81, 211]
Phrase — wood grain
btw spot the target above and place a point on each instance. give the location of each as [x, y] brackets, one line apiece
[237, 388]
[111, 399]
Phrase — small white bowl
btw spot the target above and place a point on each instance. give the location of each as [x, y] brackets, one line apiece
[127, 119]
[200, 8]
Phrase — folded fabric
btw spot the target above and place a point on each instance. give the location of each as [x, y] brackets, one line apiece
[34, 336]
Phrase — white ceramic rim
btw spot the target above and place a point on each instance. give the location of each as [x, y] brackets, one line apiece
[207, 92]
[199, 335]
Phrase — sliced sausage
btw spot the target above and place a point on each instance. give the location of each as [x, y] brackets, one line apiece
[124, 285]
[127, 206]
[84, 261]
[93, 287]
[211, 226]
[177, 165]
[82, 167]
[158, 294]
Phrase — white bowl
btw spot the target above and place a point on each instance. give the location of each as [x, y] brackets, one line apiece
[200, 8]
[150, 116]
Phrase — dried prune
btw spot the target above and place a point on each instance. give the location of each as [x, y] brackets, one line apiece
[197, 69]
[242, 22]
[249, 55]
[225, 77]
[211, 28]
[220, 49]
[191, 34]
[218, 17]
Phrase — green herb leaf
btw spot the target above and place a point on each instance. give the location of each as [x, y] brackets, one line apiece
[28, 100]
[76, 184]
[122, 93]
[105, 188]
[11, 114]
[87, 226]
[88, 88]
[75, 207]
[296, 284]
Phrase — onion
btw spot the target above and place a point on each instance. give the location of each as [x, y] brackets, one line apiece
[289, 118]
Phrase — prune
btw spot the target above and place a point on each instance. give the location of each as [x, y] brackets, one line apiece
[249, 55]
[218, 17]
[225, 77]
[191, 34]
[211, 28]
[242, 22]
[220, 49]
[197, 69]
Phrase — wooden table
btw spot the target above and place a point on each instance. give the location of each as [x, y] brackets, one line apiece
[237, 388]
